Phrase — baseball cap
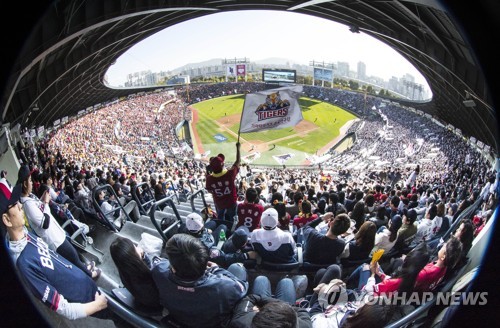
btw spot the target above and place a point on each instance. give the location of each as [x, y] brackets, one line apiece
[269, 219]
[396, 222]
[8, 196]
[194, 222]
[238, 239]
[23, 174]
[411, 214]
[217, 163]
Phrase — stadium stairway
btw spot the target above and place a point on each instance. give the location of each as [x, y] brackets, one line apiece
[109, 282]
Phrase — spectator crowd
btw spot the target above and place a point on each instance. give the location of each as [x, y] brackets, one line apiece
[399, 189]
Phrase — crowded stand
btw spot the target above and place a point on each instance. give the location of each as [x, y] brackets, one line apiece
[395, 213]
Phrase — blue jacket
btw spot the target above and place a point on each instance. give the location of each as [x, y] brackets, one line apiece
[206, 302]
[50, 275]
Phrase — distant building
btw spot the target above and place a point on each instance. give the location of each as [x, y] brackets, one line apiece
[361, 71]
[143, 78]
[343, 69]
[182, 79]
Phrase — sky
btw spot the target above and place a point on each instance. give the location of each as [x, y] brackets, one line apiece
[258, 35]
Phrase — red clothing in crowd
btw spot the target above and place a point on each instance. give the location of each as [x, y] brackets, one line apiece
[302, 219]
[249, 215]
[222, 187]
[428, 278]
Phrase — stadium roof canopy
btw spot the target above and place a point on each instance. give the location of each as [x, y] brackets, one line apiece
[61, 68]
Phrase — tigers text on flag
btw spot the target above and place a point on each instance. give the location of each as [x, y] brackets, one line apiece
[271, 109]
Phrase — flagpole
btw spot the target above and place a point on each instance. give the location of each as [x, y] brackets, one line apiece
[239, 128]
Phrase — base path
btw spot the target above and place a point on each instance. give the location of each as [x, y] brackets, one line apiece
[222, 125]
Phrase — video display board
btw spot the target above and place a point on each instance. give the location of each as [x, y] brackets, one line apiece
[279, 75]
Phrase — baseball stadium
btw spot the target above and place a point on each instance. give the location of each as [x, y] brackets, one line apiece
[276, 201]
[215, 128]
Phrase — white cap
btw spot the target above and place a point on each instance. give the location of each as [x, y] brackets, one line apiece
[269, 219]
[194, 222]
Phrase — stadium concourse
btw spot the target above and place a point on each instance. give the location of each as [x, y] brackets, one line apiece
[400, 160]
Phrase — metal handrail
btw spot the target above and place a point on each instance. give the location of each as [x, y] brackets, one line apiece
[422, 309]
[174, 189]
[163, 233]
[110, 189]
[194, 195]
[142, 206]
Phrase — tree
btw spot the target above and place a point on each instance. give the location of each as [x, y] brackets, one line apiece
[353, 85]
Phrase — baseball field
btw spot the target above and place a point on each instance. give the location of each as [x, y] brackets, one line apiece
[215, 125]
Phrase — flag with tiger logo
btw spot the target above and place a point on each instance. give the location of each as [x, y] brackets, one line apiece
[271, 109]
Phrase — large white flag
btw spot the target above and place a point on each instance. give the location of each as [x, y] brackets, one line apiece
[271, 109]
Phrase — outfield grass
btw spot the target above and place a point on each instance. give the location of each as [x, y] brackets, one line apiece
[326, 121]
[219, 107]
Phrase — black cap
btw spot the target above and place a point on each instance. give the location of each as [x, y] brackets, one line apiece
[23, 174]
[411, 214]
[8, 196]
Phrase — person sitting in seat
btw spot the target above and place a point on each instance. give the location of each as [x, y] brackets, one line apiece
[386, 237]
[112, 209]
[45, 226]
[316, 243]
[273, 245]
[380, 219]
[305, 214]
[134, 268]
[195, 227]
[407, 232]
[196, 292]
[52, 279]
[360, 247]
[428, 277]
[236, 249]
[249, 212]
[424, 227]
[279, 205]
[83, 198]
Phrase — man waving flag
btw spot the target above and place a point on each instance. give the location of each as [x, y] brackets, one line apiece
[271, 109]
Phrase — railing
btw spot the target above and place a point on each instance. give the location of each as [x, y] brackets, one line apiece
[144, 207]
[194, 195]
[174, 189]
[163, 233]
[98, 208]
